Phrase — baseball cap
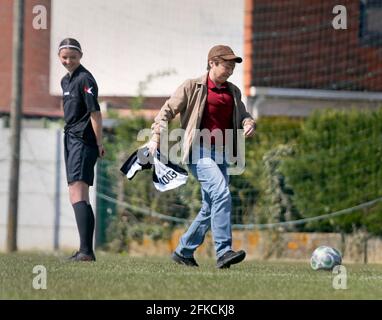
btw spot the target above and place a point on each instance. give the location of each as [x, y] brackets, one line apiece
[224, 52]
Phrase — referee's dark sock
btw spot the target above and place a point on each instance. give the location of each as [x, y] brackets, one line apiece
[85, 224]
[91, 226]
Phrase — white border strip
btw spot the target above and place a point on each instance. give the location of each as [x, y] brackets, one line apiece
[315, 94]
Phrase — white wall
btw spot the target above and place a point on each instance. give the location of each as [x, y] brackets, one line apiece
[36, 214]
[126, 40]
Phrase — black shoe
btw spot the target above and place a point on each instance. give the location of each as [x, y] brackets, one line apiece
[79, 256]
[230, 257]
[190, 262]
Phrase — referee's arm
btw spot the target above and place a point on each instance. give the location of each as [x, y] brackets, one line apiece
[90, 95]
[96, 119]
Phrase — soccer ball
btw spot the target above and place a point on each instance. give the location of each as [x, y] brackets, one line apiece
[325, 258]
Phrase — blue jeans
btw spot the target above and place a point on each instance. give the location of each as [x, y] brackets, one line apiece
[216, 205]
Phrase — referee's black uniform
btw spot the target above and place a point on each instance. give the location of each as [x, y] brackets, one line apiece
[80, 94]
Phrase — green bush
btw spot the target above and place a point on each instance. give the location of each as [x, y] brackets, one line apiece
[249, 190]
[337, 165]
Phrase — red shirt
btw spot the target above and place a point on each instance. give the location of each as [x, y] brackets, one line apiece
[218, 112]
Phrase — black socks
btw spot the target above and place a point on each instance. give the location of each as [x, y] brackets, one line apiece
[85, 223]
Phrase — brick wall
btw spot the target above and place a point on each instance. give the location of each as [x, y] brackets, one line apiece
[5, 53]
[36, 99]
[292, 44]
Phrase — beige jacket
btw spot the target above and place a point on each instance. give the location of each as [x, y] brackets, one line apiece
[189, 100]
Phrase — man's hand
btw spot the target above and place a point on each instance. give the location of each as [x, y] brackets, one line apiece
[249, 130]
[153, 146]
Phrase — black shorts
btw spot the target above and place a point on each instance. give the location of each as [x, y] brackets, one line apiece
[80, 160]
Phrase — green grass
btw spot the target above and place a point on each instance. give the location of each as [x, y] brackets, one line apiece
[125, 277]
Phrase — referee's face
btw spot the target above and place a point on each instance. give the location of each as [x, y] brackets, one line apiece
[70, 58]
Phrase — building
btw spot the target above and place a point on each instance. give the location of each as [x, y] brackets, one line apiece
[296, 60]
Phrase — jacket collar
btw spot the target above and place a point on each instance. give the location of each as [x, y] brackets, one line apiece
[202, 80]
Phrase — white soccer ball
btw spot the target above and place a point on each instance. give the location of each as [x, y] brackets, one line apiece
[325, 258]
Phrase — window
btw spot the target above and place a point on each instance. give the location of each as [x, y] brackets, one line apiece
[371, 23]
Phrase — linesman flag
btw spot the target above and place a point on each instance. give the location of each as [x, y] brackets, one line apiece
[166, 175]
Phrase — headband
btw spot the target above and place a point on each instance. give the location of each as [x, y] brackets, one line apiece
[69, 46]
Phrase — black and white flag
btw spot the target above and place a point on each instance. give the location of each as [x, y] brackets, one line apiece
[166, 175]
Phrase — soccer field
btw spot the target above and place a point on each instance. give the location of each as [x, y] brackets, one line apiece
[124, 277]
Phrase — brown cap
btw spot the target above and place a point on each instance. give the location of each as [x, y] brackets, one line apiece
[223, 52]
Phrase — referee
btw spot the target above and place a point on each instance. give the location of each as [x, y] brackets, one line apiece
[82, 142]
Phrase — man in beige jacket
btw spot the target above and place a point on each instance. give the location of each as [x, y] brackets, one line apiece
[209, 104]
